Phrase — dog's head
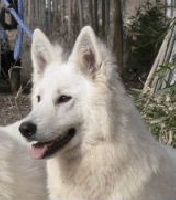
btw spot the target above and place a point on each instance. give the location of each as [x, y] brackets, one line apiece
[68, 96]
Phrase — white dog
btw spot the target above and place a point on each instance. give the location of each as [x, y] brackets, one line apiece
[21, 177]
[97, 146]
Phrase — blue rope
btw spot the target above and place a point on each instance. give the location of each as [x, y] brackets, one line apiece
[18, 50]
[18, 19]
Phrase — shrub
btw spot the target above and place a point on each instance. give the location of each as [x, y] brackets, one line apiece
[144, 37]
[159, 109]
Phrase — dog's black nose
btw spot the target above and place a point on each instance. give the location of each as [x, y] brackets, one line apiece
[27, 129]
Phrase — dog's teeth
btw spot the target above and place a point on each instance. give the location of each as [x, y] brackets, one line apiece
[33, 142]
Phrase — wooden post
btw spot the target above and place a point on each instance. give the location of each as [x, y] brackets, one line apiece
[15, 79]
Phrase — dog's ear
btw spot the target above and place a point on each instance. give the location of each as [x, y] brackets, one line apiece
[41, 53]
[85, 52]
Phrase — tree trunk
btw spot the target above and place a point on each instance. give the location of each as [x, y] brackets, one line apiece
[55, 13]
[81, 21]
[118, 34]
[75, 16]
[103, 18]
[49, 17]
[107, 19]
[0, 43]
[0, 59]
[91, 13]
[61, 12]
[70, 18]
[43, 14]
[96, 18]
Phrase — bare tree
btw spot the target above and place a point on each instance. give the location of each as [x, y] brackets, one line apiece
[118, 33]
[107, 18]
[55, 12]
[103, 18]
[73, 22]
[48, 13]
[91, 13]
[96, 18]
[70, 17]
[63, 10]
[42, 14]
[81, 19]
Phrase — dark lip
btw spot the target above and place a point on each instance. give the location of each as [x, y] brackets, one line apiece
[56, 145]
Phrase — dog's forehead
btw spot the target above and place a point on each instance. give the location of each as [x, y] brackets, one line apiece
[62, 77]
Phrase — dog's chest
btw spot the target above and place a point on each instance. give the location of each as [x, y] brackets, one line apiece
[83, 182]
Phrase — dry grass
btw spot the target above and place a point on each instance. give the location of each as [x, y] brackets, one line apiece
[12, 108]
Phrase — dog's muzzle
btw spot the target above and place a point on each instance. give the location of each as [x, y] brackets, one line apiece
[42, 150]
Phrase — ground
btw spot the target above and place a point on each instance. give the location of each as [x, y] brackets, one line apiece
[13, 108]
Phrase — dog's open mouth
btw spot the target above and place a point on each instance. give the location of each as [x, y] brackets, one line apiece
[41, 150]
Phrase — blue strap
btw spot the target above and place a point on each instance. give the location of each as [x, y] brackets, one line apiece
[19, 21]
[18, 50]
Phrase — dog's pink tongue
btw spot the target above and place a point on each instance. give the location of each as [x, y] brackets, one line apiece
[38, 152]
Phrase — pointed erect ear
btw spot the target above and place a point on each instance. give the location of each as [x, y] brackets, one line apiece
[41, 52]
[85, 52]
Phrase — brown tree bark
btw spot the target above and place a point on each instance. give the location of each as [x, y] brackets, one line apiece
[62, 11]
[70, 17]
[42, 14]
[91, 13]
[107, 18]
[96, 18]
[118, 34]
[103, 18]
[81, 21]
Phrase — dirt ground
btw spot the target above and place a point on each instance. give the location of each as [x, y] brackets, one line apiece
[12, 108]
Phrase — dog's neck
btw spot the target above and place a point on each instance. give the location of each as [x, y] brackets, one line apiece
[78, 174]
[69, 176]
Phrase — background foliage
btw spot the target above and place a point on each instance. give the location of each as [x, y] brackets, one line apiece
[159, 109]
[144, 37]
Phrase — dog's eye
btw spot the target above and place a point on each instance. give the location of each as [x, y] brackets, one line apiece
[63, 99]
[38, 98]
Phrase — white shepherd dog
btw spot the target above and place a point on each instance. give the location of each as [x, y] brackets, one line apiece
[88, 130]
[21, 177]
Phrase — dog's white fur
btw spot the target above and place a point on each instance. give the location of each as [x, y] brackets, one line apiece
[21, 177]
[112, 156]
